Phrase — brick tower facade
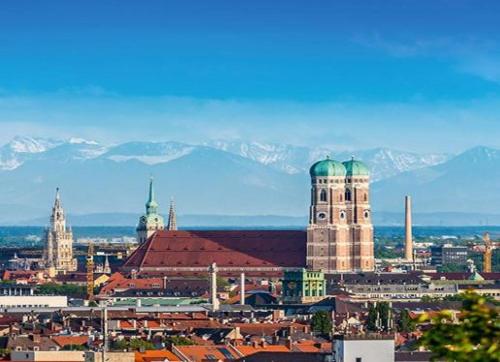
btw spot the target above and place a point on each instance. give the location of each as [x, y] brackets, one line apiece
[340, 232]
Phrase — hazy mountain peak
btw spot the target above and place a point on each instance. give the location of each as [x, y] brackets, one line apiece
[78, 141]
[483, 152]
[24, 144]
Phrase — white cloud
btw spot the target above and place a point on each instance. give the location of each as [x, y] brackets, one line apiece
[415, 126]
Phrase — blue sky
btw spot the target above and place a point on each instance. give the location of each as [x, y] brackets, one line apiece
[415, 75]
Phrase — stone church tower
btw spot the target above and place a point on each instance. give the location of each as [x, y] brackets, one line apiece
[340, 232]
[151, 220]
[58, 253]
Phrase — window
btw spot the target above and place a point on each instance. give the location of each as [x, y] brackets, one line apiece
[348, 195]
[323, 196]
[359, 359]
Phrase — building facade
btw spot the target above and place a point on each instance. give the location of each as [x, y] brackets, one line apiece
[364, 348]
[58, 253]
[151, 221]
[448, 255]
[340, 231]
[303, 286]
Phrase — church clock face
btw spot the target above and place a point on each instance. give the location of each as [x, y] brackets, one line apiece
[321, 215]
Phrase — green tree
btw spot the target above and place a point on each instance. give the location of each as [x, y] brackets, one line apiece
[372, 318]
[405, 323]
[178, 341]
[75, 291]
[137, 344]
[134, 344]
[120, 345]
[472, 336]
[453, 268]
[384, 310]
[379, 312]
[321, 322]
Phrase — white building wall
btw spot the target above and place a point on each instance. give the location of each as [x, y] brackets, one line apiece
[367, 350]
[15, 301]
[48, 356]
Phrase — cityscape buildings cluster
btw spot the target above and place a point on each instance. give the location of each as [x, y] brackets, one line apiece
[236, 295]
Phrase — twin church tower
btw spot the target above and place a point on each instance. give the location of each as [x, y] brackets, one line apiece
[339, 237]
[340, 231]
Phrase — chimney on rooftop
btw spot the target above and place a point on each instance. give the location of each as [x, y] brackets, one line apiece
[212, 269]
[242, 288]
[408, 230]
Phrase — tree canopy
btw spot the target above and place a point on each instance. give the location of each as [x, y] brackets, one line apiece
[473, 335]
[321, 322]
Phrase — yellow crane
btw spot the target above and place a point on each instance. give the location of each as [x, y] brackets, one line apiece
[90, 271]
[487, 253]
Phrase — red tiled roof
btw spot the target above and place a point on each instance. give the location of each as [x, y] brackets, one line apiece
[249, 350]
[155, 356]
[198, 249]
[204, 353]
[119, 282]
[70, 340]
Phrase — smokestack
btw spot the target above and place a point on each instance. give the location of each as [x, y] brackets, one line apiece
[242, 289]
[213, 286]
[408, 230]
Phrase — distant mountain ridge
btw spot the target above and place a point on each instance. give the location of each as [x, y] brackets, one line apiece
[230, 178]
[287, 158]
[262, 221]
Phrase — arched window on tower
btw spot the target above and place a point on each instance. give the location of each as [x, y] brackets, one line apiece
[323, 196]
[365, 197]
[347, 195]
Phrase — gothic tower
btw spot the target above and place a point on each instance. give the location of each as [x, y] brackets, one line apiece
[340, 234]
[58, 253]
[172, 219]
[151, 220]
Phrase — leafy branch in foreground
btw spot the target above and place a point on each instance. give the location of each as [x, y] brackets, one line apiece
[473, 335]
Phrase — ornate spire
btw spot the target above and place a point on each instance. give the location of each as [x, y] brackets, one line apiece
[172, 221]
[57, 201]
[58, 198]
[107, 268]
[151, 204]
[57, 219]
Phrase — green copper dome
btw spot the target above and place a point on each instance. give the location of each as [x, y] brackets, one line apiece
[356, 168]
[326, 168]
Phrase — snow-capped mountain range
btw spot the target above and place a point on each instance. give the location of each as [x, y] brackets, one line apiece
[229, 178]
[287, 158]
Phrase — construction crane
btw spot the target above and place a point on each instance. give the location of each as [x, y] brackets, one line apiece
[90, 271]
[488, 246]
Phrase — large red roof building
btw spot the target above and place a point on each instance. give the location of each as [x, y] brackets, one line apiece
[255, 252]
[339, 237]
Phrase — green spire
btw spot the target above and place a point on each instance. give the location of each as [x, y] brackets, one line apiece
[151, 205]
